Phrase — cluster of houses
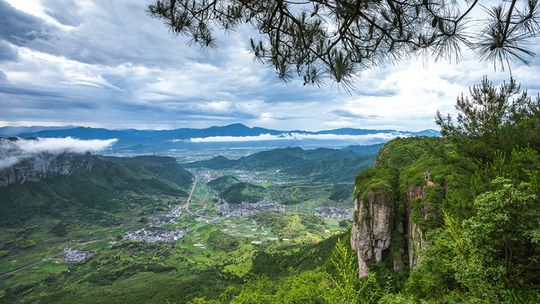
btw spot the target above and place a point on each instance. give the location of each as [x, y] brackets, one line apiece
[155, 235]
[246, 209]
[73, 256]
[207, 220]
[175, 211]
[333, 212]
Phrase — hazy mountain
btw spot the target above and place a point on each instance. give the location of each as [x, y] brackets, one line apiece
[15, 131]
[234, 135]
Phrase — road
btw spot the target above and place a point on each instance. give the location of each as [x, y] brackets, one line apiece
[191, 194]
[7, 274]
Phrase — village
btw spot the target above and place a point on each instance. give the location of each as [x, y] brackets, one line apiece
[175, 211]
[155, 234]
[73, 256]
[333, 212]
[246, 209]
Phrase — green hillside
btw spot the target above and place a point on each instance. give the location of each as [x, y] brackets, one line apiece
[242, 193]
[333, 165]
[341, 192]
[221, 183]
[104, 187]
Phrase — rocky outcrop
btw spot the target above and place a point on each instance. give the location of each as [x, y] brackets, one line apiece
[415, 236]
[397, 202]
[379, 230]
[44, 166]
[372, 229]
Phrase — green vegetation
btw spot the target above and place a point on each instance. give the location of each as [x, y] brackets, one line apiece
[242, 193]
[341, 192]
[474, 195]
[213, 258]
[321, 165]
[221, 183]
[92, 193]
[464, 228]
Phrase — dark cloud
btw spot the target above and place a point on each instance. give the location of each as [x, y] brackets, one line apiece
[347, 114]
[66, 12]
[7, 52]
[18, 27]
[108, 63]
[13, 90]
[114, 33]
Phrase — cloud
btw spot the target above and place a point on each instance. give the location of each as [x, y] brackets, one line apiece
[7, 52]
[19, 27]
[13, 151]
[297, 136]
[66, 12]
[61, 58]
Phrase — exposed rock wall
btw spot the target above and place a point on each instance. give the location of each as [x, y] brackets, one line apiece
[376, 225]
[415, 236]
[372, 230]
[44, 166]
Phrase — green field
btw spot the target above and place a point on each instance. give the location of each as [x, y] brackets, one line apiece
[210, 257]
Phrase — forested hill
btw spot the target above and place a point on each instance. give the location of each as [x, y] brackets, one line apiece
[84, 184]
[458, 217]
[318, 164]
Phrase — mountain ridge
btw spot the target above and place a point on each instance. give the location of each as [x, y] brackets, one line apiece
[236, 129]
[133, 141]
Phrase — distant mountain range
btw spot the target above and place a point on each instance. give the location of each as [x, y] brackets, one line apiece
[234, 135]
[321, 164]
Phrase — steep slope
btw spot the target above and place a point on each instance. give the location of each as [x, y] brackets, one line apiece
[402, 198]
[56, 185]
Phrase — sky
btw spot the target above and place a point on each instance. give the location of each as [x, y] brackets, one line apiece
[106, 63]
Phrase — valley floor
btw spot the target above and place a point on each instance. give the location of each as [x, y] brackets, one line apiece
[216, 250]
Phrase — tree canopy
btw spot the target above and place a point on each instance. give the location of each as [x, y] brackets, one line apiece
[493, 119]
[321, 39]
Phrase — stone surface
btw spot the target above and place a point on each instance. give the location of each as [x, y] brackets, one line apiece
[375, 223]
[371, 234]
[415, 237]
[41, 166]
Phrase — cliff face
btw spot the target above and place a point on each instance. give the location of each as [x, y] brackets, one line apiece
[394, 206]
[44, 166]
[415, 236]
[371, 234]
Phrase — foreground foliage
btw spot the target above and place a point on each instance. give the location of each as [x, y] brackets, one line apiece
[337, 39]
[480, 216]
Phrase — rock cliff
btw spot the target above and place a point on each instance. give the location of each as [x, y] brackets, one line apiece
[371, 234]
[44, 166]
[395, 202]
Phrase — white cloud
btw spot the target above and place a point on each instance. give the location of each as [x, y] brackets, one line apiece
[135, 74]
[298, 136]
[13, 151]
[63, 145]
